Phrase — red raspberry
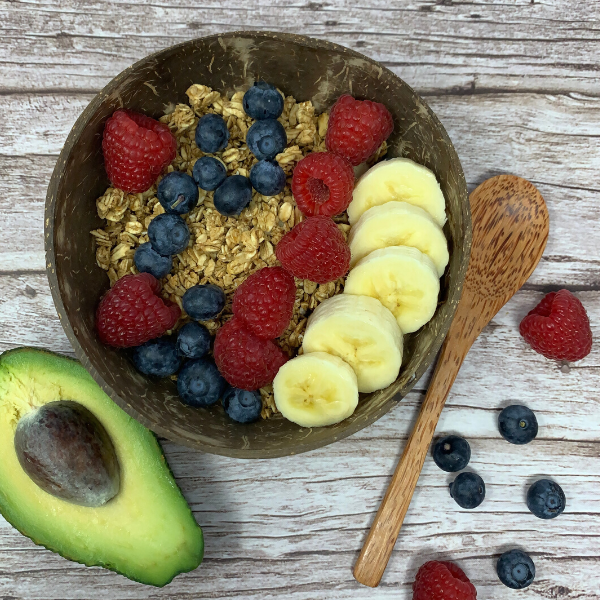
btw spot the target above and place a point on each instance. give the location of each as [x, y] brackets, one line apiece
[265, 301]
[246, 361]
[132, 312]
[136, 150]
[558, 327]
[357, 128]
[316, 250]
[441, 580]
[322, 184]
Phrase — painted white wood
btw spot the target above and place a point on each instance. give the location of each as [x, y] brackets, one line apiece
[515, 84]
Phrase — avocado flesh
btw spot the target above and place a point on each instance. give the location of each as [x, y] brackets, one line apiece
[146, 532]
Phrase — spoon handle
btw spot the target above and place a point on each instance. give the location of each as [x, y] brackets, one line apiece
[379, 544]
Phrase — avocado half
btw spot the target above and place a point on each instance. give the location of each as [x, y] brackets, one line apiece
[146, 532]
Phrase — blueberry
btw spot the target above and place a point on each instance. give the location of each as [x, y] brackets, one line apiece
[515, 569]
[263, 101]
[209, 173]
[148, 260]
[242, 406]
[266, 139]
[212, 134]
[452, 453]
[193, 340]
[468, 490]
[199, 383]
[267, 178]
[545, 499]
[517, 424]
[178, 193]
[157, 357]
[168, 234]
[233, 195]
[203, 302]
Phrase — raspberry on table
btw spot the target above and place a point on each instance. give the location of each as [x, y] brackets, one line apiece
[132, 312]
[315, 249]
[322, 184]
[357, 128]
[265, 302]
[442, 580]
[245, 360]
[136, 150]
[558, 327]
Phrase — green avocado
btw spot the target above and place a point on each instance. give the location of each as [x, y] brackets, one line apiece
[146, 532]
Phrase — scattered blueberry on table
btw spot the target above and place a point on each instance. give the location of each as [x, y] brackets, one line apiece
[546, 499]
[178, 193]
[209, 173]
[157, 357]
[168, 234]
[518, 424]
[266, 139]
[263, 101]
[452, 453]
[211, 134]
[515, 569]
[267, 178]
[193, 340]
[241, 405]
[468, 490]
[199, 383]
[203, 302]
[233, 195]
[147, 260]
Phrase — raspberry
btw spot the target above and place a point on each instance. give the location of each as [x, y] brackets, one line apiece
[245, 360]
[132, 312]
[265, 301]
[322, 184]
[441, 580]
[558, 327]
[315, 249]
[136, 149]
[357, 128]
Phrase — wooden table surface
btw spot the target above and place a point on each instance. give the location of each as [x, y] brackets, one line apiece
[516, 84]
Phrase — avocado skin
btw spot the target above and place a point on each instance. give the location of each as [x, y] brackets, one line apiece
[187, 557]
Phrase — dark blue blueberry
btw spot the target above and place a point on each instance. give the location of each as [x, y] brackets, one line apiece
[178, 193]
[267, 178]
[517, 424]
[168, 234]
[193, 340]
[242, 406]
[157, 357]
[545, 499]
[452, 453]
[209, 173]
[212, 134]
[263, 101]
[148, 260]
[468, 490]
[515, 569]
[233, 195]
[199, 383]
[203, 302]
[266, 139]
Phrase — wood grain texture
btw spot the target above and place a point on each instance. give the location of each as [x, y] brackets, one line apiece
[516, 85]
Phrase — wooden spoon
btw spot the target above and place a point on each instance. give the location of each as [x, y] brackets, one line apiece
[510, 230]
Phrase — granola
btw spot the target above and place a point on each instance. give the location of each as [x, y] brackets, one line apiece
[222, 250]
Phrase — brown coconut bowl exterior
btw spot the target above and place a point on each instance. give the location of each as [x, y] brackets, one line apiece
[307, 69]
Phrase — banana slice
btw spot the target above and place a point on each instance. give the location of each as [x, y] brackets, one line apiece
[403, 279]
[363, 333]
[316, 389]
[399, 224]
[402, 180]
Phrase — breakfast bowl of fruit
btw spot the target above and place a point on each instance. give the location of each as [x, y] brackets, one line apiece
[256, 242]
